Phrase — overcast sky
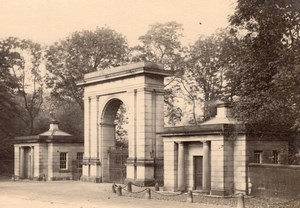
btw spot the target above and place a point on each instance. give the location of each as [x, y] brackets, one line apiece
[47, 21]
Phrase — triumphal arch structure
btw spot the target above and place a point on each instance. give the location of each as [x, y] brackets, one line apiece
[140, 88]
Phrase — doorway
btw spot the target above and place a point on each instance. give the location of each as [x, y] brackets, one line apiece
[27, 163]
[198, 161]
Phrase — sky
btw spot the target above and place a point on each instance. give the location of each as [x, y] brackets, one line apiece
[48, 21]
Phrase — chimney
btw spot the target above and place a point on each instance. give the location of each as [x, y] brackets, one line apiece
[54, 125]
[224, 110]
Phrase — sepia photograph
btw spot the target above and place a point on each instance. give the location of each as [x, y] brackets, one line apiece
[142, 104]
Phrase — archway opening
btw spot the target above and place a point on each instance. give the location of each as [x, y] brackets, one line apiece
[115, 139]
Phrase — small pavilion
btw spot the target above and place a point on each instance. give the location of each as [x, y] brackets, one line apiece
[52, 155]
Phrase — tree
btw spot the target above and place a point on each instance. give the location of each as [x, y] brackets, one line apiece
[24, 67]
[161, 44]
[268, 71]
[66, 112]
[7, 86]
[206, 76]
[82, 52]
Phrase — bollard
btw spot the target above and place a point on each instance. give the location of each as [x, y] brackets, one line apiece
[129, 185]
[148, 194]
[119, 191]
[156, 186]
[241, 202]
[113, 188]
[190, 197]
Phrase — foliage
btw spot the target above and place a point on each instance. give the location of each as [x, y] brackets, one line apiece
[267, 75]
[7, 86]
[24, 67]
[162, 44]
[68, 60]
[68, 114]
[206, 78]
[121, 122]
[27, 74]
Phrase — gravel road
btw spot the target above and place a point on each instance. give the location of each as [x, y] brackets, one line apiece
[76, 194]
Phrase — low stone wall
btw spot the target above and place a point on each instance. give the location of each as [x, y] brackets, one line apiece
[274, 180]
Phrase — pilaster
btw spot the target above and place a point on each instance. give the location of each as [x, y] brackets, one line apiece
[206, 167]
[181, 167]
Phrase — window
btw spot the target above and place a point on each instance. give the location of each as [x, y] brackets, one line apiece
[79, 159]
[258, 156]
[63, 160]
[275, 157]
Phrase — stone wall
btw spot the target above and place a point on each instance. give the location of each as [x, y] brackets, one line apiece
[41, 160]
[54, 151]
[267, 148]
[274, 180]
[240, 162]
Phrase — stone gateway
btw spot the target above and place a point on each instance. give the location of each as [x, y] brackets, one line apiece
[140, 87]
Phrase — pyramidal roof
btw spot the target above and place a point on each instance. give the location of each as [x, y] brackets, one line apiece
[55, 131]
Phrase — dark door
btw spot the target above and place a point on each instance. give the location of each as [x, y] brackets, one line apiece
[197, 172]
[117, 167]
[27, 162]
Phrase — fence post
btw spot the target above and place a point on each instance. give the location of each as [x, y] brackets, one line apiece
[241, 202]
[156, 186]
[190, 197]
[148, 193]
[129, 185]
[119, 191]
[113, 188]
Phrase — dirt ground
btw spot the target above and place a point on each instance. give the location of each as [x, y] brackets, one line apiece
[76, 194]
[65, 194]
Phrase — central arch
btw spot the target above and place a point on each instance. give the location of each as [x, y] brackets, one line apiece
[114, 154]
[140, 87]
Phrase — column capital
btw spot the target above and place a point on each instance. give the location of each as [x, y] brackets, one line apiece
[94, 97]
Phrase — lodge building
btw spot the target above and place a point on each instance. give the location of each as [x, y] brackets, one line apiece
[52, 155]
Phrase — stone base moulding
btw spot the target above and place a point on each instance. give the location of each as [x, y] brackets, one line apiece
[140, 182]
[91, 179]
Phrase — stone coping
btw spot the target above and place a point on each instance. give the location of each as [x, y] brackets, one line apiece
[202, 130]
[46, 139]
[213, 129]
[268, 165]
[124, 71]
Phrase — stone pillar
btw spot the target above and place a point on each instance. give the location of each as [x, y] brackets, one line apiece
[22, 155]
[206, 166]
[170, 165]
[181, 170]
[16, 161]
[32, 162]
[87, 138]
